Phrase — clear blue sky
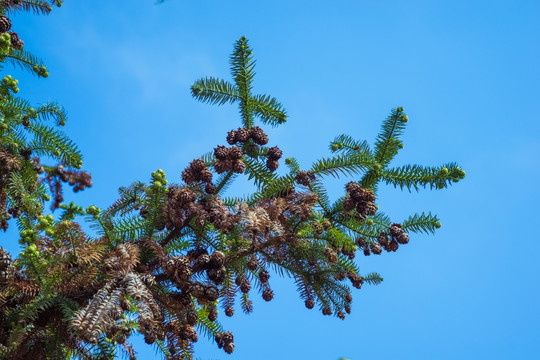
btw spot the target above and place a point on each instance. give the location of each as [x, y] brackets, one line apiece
[466, 72]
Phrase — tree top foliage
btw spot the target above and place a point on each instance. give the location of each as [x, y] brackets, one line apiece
[165, 257]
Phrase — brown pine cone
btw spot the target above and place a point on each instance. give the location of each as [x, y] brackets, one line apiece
[217, 259]
[188, 176]
[210, 188]
[348, 204]
[231, 137]
[275, 153]
[192, 317]
[227, 337]
[272, 165]
[239, 166]
[393, 246]
[16, 42]
[348, 297]
[5, 24]
[268, 295]
[206, 175]
[376, 249]
[221, 152]
[197, 165]
[258, 136]
[327, 311]
[245, 286]
[212, 314]
[366, 251]
[229, 311]
[341, 315]
[242, 135]
[264, 276]
[222, 166]
[395, 230]
[252, 263]
[310, 303]
[211, 293]
[347, 309]
[125, 305]
[229, 348]
[235, 153]
[403, 238]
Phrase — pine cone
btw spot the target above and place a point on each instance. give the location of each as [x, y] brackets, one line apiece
[327, 311]
[393, 246]
[347, 309]
[252, 263]
[229, 348]
[352, 187]
[361, 242]
[5, 24]
[264, 276]
[395, 230]
[245, 286]
[206, 176]
[229, 311]
[272, 165]
[383, 239]
[211, 293]
[16, 42]
[210, 188]
[197, 165]
[239, 166]
[217, 259]
[275, 153]
[341, 315]
[227, 337]
[376, 249]
[348, 204]
[222, 166]
[235, 153]
[221, 152]
[212, 314]
[268, 295]
[149, 339]
[310, 303]
[242, 135]
[348, 297]
[192, 317]
[231, 137]
[366, 251]
[188, 176]
[403, 238]
[258, 136]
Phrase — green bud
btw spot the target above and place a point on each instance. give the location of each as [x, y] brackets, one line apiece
[377, 167]
[404, 118]
[49, 232]
[43, 223]
[157, 184]
[62, 123]
[399, 109]
[440, 185]
[161, 172]
[337, 146]
[47, 197]
[32, 248]
[164, 181]
[3, 126]
[369, 221]
[50, 219]
[443, 171]
[461, 173]
[56, 152]
[288, 161]
[438, 225]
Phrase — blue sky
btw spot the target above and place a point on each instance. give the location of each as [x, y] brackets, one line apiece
[466, 73]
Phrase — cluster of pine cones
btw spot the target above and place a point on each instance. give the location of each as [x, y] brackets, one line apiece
[360, 199]
[5, 265]
[5, 26]
[389, 242]
[80, 180]
[229, 159]
[305, 177]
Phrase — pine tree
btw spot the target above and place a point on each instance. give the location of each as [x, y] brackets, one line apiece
[165, 257]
